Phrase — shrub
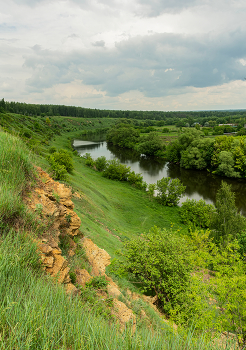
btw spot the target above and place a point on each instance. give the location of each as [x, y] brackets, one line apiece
[59, 172]
[98, 282]
[160, 260]
[63, 158]
[52, 150]
[169, 191]
[88, 160]
[196, 212]
[101, 163]
[151, 190]
[137, 180]
[116, 171]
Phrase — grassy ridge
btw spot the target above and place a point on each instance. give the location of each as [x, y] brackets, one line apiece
[35, 312]
[112, 211]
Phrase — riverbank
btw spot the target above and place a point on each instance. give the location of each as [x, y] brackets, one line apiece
[112, 211]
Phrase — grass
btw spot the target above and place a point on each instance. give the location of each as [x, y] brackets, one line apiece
[35, 312]
[16, 172]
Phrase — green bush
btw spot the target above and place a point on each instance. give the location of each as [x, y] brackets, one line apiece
[101, 163]
[89, 160]
[116, 171]
[169, 191]
[197, 213]
[137, 180]
[63, 158]
[59, 172]
[160, 260]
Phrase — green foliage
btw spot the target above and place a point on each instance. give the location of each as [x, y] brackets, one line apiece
[101, 163]
[151, 190]
[169, 191]
[173, 152]
[59, 171]
[15, 173]
[226, 165]
[89, 160]
[229, 286]
[150, 145]
[56, 196]
[52, 150]
[63, 158]
[123, 135]
[198, 154]
[116, 171]
[165, 130]
[196, 213]
[160, 260]
[226, 221]
[97, 282]
[137, 180]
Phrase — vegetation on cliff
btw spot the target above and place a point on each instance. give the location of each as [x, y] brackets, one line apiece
[117, 217]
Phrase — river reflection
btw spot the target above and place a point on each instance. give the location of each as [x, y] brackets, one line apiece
[199, 184]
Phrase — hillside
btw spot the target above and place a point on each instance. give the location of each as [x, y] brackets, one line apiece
[57, 239]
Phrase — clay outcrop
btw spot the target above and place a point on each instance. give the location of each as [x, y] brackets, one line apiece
[51, 200]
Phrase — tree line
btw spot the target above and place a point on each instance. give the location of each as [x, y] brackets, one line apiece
[159, 118]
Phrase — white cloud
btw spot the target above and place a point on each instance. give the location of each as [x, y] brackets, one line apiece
[117, 50]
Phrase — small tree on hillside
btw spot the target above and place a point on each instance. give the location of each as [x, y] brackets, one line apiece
[160, 260]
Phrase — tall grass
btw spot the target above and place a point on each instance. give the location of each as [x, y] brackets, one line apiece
[16, 170]
[35, 313]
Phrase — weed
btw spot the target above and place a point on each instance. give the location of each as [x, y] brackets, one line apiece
[68, 218]
[39, 209]
[56, 196]
[98, 282]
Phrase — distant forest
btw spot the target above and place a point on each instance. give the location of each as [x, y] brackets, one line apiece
[180, 119]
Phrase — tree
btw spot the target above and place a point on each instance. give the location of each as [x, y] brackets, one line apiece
[150, 145]
[197, 213]
[169, 191]
[226, 221]
[226, 165]
[161, 261]
[229, 286]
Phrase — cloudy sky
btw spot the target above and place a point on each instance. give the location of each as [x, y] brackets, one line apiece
[124, 54]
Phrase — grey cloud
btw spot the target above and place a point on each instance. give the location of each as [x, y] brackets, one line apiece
[156, 65]
[100, 43]
[156, 7]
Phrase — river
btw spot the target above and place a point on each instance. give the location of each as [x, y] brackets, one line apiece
[199, 184]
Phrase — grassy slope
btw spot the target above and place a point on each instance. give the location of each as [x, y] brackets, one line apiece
[43, 317]
[112, 211]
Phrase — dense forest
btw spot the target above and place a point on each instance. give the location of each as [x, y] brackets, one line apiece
[180, 119]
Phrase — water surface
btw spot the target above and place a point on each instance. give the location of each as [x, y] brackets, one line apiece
[199, 184]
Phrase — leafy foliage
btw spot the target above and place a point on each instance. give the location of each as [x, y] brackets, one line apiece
[101, 163]
[169, 191]
[150, 145]
[197, 213]
[116, 171]
[63, 158]
[226, 221]
[137, 180]
[161, 262]
[123, 135]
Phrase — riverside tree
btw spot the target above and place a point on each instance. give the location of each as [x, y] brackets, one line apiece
[169, 191]
[226, 221]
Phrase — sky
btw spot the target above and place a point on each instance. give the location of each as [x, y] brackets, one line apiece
[167, 55]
